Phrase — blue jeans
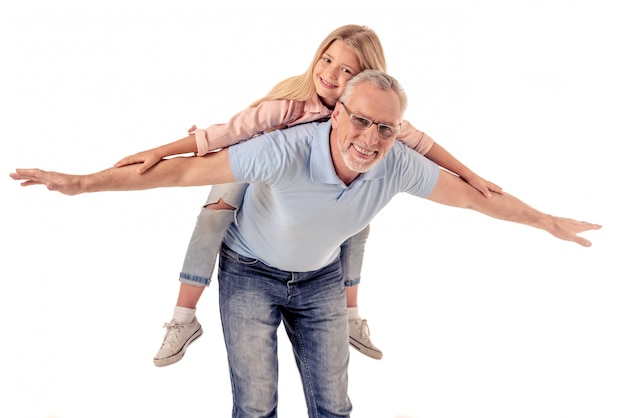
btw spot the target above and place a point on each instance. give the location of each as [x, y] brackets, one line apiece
[211, 227]
[254, 299]
[208, 234]
[352, 257]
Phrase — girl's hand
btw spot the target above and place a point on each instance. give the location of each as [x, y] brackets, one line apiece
[483, 186]
[145, 159]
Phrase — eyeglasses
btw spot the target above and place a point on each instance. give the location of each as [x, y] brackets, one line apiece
[359, 122]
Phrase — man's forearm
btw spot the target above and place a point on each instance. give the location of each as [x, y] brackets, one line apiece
[174, 172]
[450, 190]
[509, 208]
[127, 179]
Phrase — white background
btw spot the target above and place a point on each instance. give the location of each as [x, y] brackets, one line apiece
[476, 317]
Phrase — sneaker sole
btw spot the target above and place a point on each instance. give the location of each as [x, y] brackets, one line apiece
[377, 355]
[176, 357]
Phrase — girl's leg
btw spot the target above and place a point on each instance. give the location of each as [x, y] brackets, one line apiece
[352, 251]
[352, 296]
[212, 223]
[189, 295]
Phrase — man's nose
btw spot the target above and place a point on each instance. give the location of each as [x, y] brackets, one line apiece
[370, 135]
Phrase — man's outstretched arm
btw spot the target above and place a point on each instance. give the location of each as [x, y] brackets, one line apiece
[213, 168]
[451, 190]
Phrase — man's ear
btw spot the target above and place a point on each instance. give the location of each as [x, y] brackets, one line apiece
[334, 116]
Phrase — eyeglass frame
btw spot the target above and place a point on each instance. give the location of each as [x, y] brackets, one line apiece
[367, 123]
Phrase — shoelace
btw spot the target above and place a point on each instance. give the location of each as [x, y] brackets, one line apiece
[365, 329]
[173, 330]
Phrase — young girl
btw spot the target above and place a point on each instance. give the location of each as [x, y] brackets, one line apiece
[310, 96]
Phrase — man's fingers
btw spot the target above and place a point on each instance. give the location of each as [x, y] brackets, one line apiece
[21, 174]
[570, 228]
[30, 176]
[582, 241]
[27, 172]
[30, 183]
[587, 226]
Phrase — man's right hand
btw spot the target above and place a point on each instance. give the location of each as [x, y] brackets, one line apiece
[59, 182]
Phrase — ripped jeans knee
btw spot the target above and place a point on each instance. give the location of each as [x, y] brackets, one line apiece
[213, 221]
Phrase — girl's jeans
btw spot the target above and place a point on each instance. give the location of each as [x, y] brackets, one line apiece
[254, 300]
[211, 227]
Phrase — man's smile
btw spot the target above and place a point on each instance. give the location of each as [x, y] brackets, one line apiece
[363, 151]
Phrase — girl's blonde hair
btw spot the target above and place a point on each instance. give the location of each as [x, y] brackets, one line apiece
[360, 39]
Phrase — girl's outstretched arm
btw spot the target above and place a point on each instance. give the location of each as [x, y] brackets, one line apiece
[244, 125]
[425, 145]
[148, 158]
[444, 159]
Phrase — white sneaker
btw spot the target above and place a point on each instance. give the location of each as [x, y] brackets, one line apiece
[360, 339]
[177, 338]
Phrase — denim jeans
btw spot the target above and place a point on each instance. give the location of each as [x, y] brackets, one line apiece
[254, 300]
[208, 234]
[352, 251]
[211, 227]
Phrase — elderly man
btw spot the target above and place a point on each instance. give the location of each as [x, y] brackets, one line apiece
[311, 187]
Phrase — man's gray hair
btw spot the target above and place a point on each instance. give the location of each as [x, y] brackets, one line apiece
[379, 79]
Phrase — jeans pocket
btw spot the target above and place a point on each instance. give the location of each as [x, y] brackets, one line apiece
[237, 258]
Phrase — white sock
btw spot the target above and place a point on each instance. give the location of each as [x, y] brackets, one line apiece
[353, 312]
[184, 315]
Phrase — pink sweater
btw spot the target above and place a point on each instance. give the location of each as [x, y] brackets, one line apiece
[275, 114]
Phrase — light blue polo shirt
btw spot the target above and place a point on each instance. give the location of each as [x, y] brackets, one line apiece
[296, 212]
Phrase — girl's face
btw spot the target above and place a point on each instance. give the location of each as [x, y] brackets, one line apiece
[332, 71]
